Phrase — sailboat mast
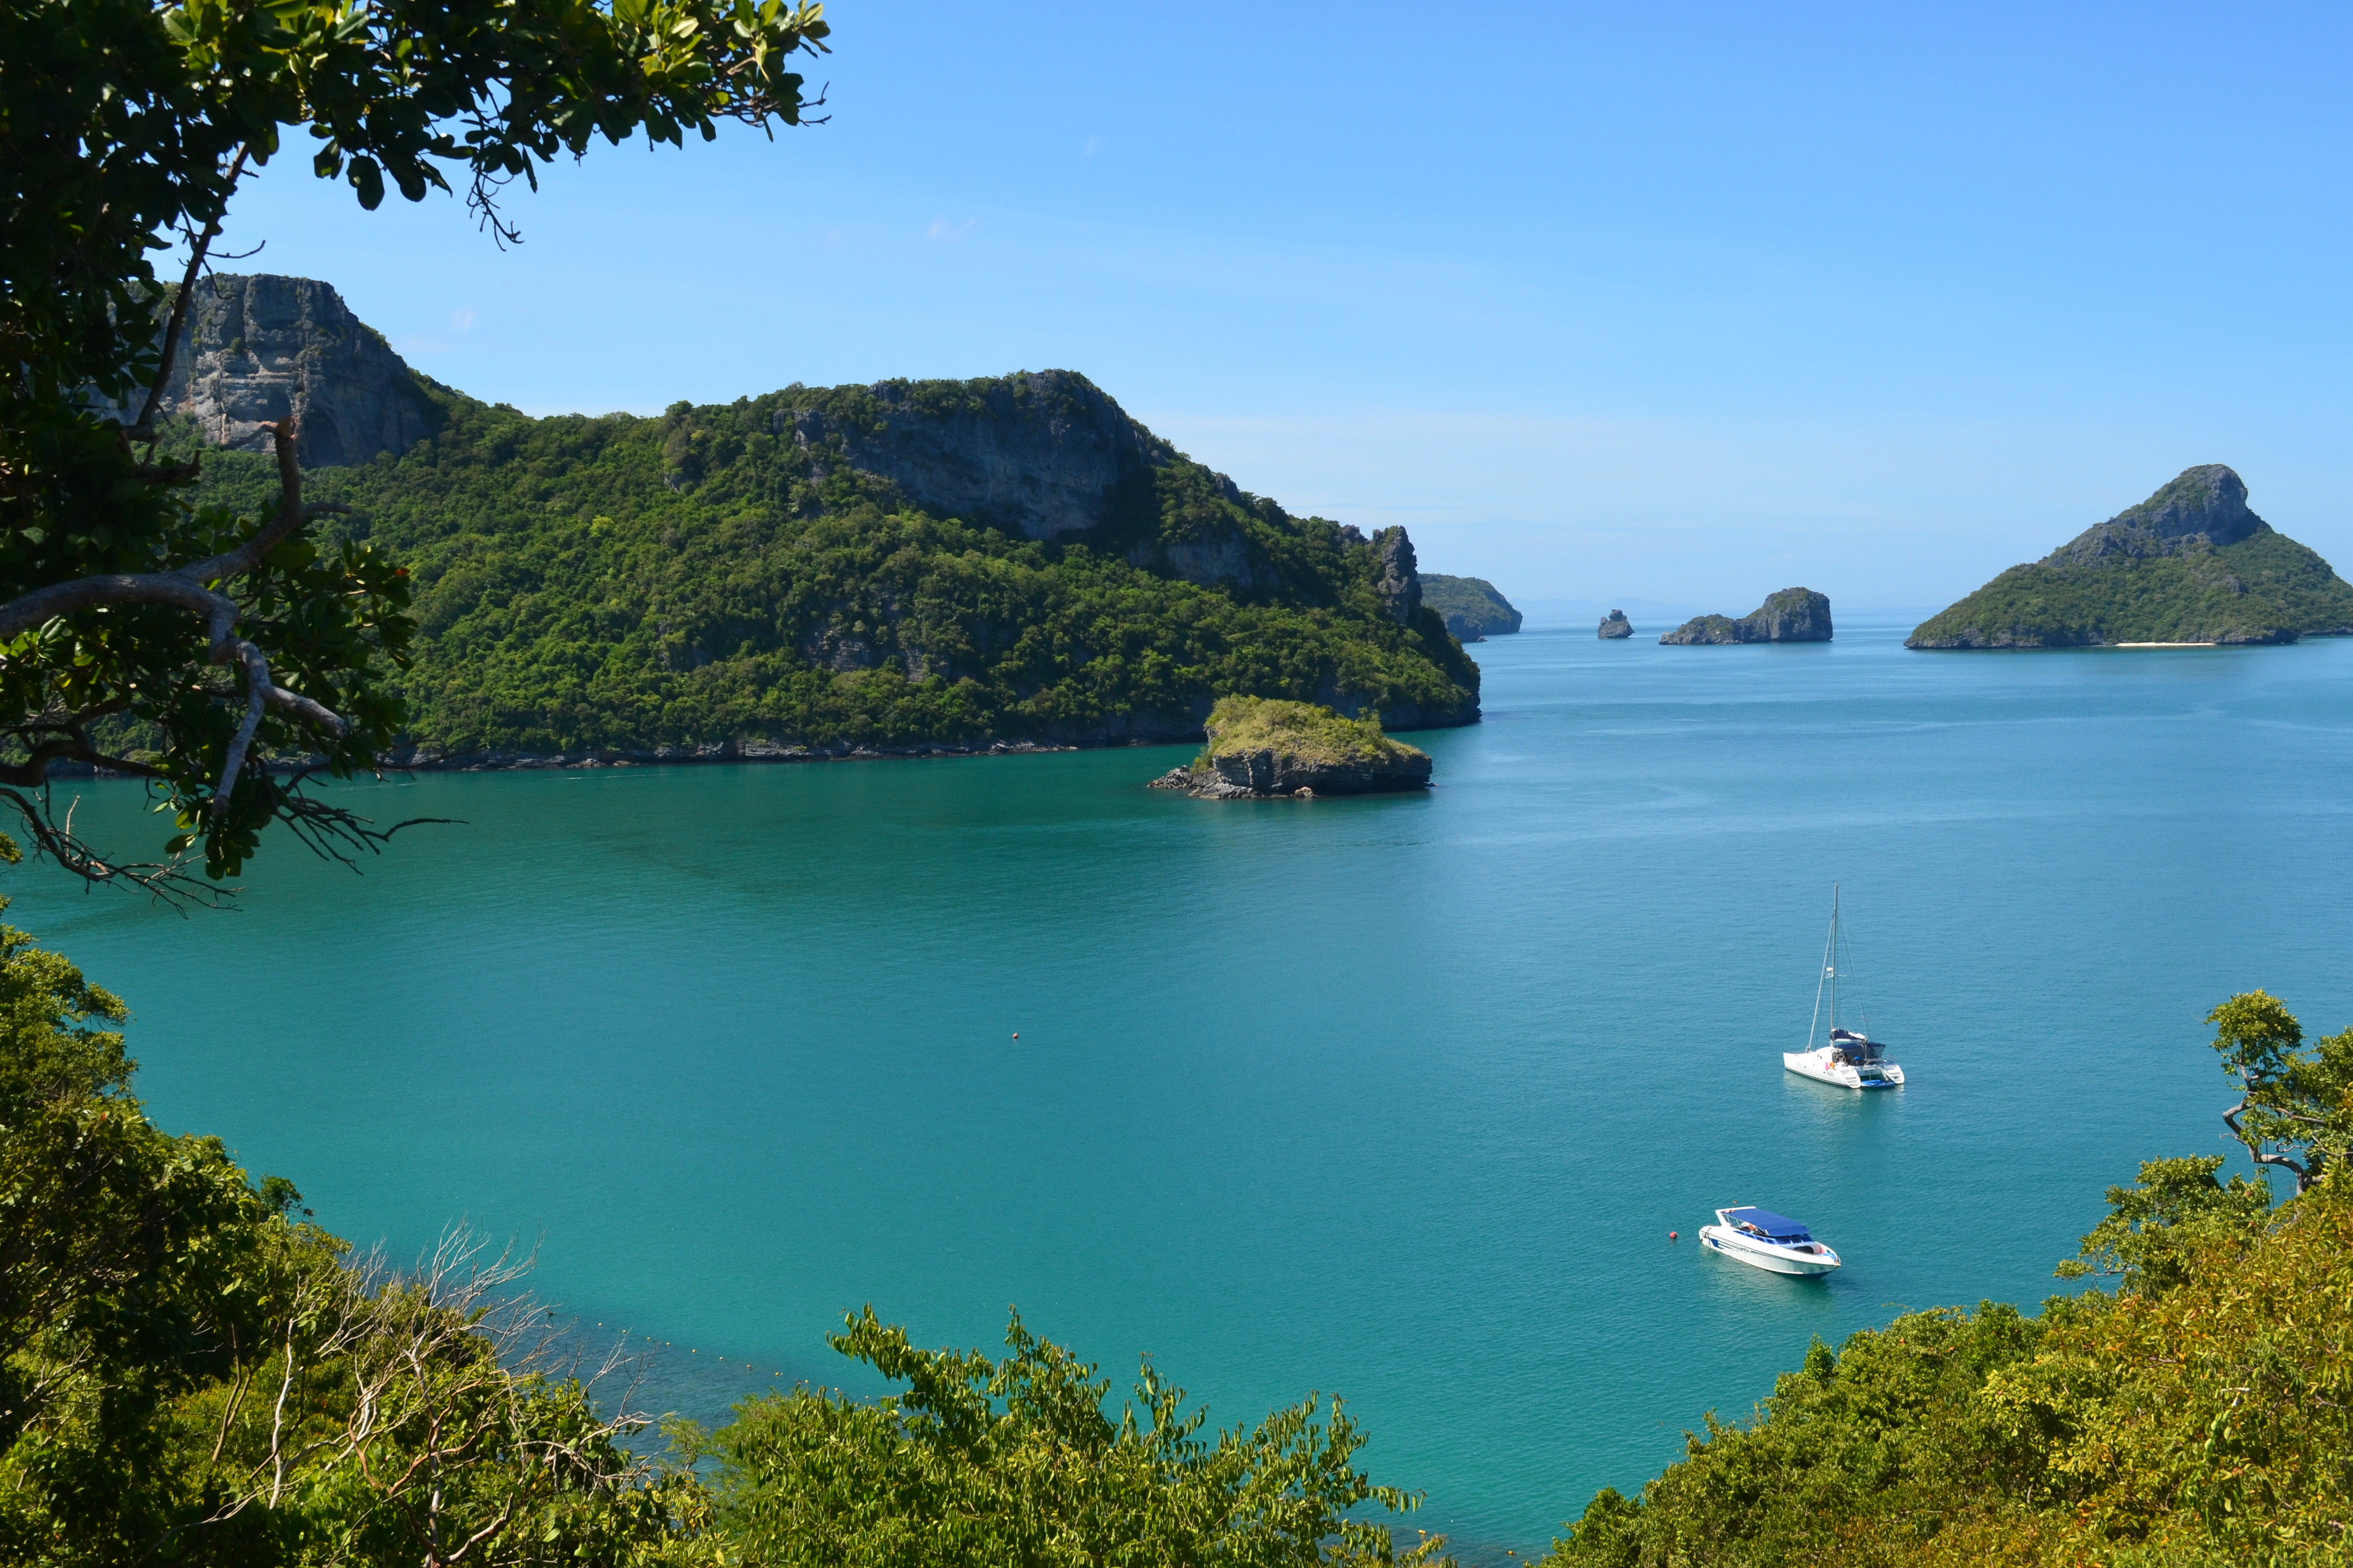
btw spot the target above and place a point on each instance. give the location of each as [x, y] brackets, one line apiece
[1827, 975]
[1834, 955]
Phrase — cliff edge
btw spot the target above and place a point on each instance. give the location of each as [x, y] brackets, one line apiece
[255, 349]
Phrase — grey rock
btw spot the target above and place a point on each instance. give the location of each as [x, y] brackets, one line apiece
[1400, 584]
[1271, 775]
[1616, 625]
[2202, 507]
[1793, 614]
[255, 349]
[1043, 454]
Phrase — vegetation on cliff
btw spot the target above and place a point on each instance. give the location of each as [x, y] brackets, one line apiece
[986, 1462]
[1301, 731]
[725, 575]
[2190, 564]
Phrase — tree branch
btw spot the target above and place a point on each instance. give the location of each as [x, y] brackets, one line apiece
[2304, 1178]
[256, 687]
[183, 586]
[143, 427]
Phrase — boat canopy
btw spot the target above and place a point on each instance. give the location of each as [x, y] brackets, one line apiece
[1776, 1227]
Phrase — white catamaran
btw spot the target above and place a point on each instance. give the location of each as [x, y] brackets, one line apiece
[1852, 1060]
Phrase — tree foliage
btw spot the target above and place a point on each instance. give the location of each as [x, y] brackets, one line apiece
[125, 126]
[190, 1372]
[2297, 1112]
[1012, 1463]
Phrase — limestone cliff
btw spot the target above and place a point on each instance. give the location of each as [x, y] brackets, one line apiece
[1047, 455]
[1793, 614]
[255, 349]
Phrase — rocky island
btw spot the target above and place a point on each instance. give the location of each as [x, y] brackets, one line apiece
[2190, 564]
[909, 567]
[1260, 749]
[1472, 606]
[1793, 614]
[1615, 625]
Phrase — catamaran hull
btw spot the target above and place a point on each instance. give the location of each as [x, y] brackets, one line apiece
[1758, 1255]
[1810, 1064]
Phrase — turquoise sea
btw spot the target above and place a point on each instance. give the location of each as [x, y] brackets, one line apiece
[1396, 1098]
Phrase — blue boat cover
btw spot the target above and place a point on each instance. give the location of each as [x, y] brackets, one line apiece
[1780, 1227]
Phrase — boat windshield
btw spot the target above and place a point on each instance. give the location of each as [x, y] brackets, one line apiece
[1768, 1225]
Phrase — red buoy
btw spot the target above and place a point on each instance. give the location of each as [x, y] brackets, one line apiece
[1672, 1237]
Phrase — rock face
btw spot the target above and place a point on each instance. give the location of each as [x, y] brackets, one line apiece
[2190, 564]
[1793, 614]
[1400, 584]
[1043, 454]
[2206, 507]
[1471, 607]
[1616, 625]
[255, 349]
[1261, 749]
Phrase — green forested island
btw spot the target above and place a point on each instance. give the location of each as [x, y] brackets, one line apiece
[1472, 606]
[2190, 564]
[900, 566]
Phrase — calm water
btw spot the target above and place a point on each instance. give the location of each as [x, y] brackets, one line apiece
[1396, 1099]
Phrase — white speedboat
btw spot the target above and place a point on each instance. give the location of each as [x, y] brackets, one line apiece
[1852, 1060]
[1764, 1239]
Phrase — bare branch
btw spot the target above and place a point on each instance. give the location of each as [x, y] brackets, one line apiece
[256, 690]
[166, 880]
[2304, 1178]
[143, 427]
[307, 711]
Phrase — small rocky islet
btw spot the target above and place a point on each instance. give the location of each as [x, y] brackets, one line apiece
[1615, 625]
[1266, 749]
[1793, 614]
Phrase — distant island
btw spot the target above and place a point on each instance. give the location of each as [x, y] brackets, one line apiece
[1470, 606]
[1615, 625]
[905, 566]
[1260, 749]
[2190, 564]
[1793, 614]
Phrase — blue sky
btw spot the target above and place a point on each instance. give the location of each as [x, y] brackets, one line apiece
[1675, 302]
